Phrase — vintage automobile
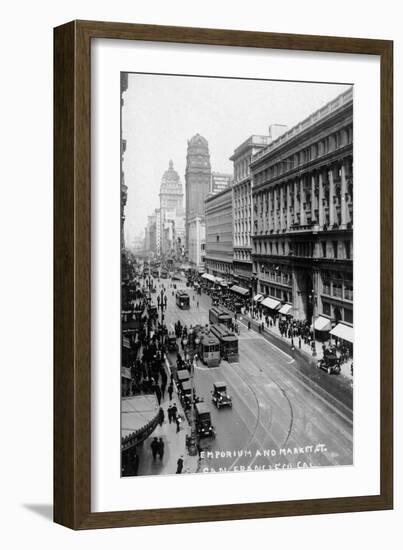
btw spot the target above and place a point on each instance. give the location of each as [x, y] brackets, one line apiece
[204, 427]
[220, 396]
[186, 395]
[330, 363]
[182, 376]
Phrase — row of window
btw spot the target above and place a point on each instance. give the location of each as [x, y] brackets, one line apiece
[334, 249]
[242, 254]
[278, 293]
[324, 146]
[337, 313]
[338, 289]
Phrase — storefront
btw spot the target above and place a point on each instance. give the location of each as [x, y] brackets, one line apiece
[343, 335]
[322, 326]
[271, 306]
[286, 310]
[139, 418]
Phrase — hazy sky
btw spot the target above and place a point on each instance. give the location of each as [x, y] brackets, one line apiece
[161, 112]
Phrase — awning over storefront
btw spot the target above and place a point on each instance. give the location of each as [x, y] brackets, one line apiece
[126, 343]
[322, 323]
[208, 277]
[285, 309]
[258, 298]
[240, 290]
[139, 417]
[271, 303]
[126, 373]
[344, 332]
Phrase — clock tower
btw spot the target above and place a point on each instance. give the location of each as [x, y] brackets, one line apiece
[197, 178]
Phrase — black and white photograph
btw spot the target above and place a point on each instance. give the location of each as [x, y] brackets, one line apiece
[236, 274]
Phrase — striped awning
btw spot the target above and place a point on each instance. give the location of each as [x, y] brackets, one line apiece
[240, 290]
[208, 277]
[126, 343]
[322, 323]
[285, 309]
[271, 303]
[258, 298]
[344, 332]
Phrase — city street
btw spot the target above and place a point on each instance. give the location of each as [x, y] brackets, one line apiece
[281, 417]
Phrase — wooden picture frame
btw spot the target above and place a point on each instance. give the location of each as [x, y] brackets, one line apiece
[72, 271]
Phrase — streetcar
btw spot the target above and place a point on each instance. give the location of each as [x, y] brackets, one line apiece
[220, 315]
[209, 350]
[155, 273]
[164, 274]
[182, 299]
[228, 342]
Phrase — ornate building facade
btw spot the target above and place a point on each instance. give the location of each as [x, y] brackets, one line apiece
[242, 208]
[302, 243]
[197, 177]
[219, 244]
[172, 213]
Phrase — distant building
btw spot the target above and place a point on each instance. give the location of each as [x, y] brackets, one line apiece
[219, 182]
[197, 242]
[242, 208]
[172, 214]
[302, 241]
[219, 247]
[198, 178]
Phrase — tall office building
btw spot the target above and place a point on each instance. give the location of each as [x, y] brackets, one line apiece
[198, 178]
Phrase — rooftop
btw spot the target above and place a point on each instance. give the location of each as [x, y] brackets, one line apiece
[332, 106]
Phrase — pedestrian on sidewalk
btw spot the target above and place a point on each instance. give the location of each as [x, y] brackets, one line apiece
[161, 448]
[178, 421]
[249, 325]
[179, 465]
[170, 391]
[154, 447]
[299, 342]
[161, 416]
[174, 412]
[170, 413]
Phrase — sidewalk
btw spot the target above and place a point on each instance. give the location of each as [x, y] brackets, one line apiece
[305, 349]
[174, 443]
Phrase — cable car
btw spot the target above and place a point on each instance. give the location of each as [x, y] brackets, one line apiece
[228, 342]
[209, 350]
[182, 299]
[220, 315]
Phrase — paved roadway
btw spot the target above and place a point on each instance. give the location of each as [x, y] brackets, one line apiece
[280, 417]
